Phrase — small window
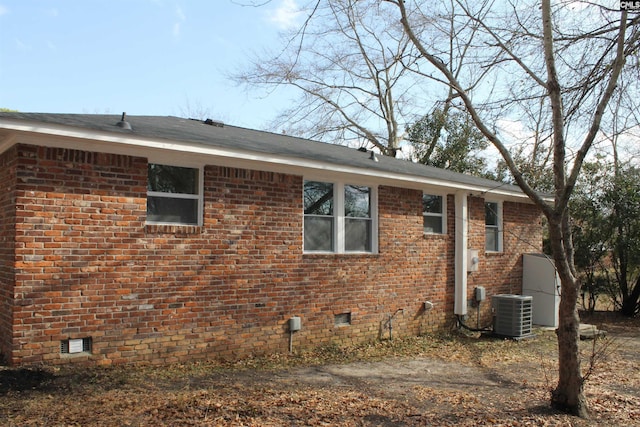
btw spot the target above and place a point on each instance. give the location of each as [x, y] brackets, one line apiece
[434, 214]
[492, 221]
[173, 195]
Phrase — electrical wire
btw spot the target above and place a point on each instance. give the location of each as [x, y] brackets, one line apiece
[469, 328]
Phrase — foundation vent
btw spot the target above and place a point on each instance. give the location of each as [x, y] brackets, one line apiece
[342, 319]
[75, 346]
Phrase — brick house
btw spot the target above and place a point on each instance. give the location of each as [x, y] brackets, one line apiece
[159, 239]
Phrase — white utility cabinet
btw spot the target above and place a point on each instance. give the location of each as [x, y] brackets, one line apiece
[540, 280]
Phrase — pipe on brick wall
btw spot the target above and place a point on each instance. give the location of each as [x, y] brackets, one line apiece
[461, 248]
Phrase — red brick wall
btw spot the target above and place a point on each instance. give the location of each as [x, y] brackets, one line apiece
[88, 266]
[7, 248]
[78, 250]
[410, 268]
[501, 272]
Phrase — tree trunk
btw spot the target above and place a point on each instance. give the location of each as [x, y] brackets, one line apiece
[630, 301]
[568, 395]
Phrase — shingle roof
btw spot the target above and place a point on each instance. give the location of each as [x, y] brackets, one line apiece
[236, 138]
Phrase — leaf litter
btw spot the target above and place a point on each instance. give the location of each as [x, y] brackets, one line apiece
[443, 380]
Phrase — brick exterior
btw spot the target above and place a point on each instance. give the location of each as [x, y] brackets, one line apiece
[84, 264]
[7, 247]
[501, 272]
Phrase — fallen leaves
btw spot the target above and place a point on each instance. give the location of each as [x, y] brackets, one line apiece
[480, 382]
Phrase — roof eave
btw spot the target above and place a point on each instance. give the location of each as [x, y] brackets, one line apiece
[122, 143]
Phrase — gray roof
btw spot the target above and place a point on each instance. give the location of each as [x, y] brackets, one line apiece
[237, 138]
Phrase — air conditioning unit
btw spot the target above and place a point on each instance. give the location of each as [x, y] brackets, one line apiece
[513, 315]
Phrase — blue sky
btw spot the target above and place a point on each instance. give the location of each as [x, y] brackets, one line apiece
[145, 57]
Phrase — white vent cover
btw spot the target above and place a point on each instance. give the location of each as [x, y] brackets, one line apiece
[75, 346]
[513, 315]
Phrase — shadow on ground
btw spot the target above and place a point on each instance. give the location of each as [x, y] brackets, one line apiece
[24, 379]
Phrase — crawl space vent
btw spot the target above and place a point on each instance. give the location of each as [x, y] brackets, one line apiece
[342, 319]
[75, 346]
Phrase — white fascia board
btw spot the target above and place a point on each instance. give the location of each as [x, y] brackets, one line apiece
[194, 153]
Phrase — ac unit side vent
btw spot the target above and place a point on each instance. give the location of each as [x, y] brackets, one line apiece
[75, 346]
[513, 315]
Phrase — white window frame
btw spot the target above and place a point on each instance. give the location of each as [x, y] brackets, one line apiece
[442, 215]
[339, 218]
[199, 197]
[499, 226]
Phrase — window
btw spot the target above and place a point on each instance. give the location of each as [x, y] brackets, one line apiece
[173, 195]
[338, 217]
[357, 212]
[492, 221]
[318, 216]
[434, 214]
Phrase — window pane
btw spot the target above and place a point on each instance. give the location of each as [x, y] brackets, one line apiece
[357, 235]
[357, 201]
[491, 242]
[172, 210]
[318, 198]
[432, 224]
[172, 179]
[318, 233]
[491, 214]
[431, 204]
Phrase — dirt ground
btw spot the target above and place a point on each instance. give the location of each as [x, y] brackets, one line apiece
[455, 380]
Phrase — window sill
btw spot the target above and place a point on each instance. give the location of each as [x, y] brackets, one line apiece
[338, 254]
[172, 229]
[434, 235]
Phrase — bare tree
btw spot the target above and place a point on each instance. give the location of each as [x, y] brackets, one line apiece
[567, 57]
[532, 151]
[196, 110]
[349, 63]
